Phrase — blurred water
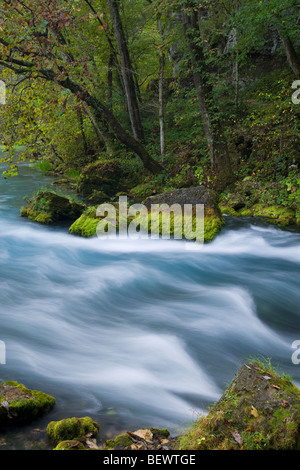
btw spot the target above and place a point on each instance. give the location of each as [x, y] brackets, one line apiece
[141, 333]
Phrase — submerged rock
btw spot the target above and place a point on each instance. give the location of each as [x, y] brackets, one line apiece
[259, 410]
[48, 207]
[20, 405]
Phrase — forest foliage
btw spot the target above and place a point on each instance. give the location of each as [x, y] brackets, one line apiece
[179, 92]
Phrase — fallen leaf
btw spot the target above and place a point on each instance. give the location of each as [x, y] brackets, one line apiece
[74, 444]
[237, 437]
[5, 405]
[144, 434]
[254, 412]
[251, 428]
[91, 443]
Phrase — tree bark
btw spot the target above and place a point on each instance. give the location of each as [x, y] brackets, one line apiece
[291, 54]
[127, 73]
[102, 112]
[216, 141]
[161, 94]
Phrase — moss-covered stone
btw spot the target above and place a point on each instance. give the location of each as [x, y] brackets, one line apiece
[70, 445]
[47, 207]
[20, 405]
[71, 428]
[227, 210]
[143, 190]
[103, 175]
[259, 410]
[86, 225]
[275, 214]
[122, 441]
[163, 433]
[254, 198]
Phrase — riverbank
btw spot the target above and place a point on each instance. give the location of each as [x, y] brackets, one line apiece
[259, 410]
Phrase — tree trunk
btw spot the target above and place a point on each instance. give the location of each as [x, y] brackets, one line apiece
[103, 113]
[216, 141]
[291, 54]
[127, 73]
[81, 124]
[161, 94]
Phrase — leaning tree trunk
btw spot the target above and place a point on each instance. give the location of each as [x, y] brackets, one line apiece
[291, 54]
[103, 113]
[216, 141]
[127, 73]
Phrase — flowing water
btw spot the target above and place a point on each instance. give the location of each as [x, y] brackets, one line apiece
[139, 333]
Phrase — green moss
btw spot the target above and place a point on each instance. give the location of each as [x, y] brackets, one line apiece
[43, 218]
[259, 410]
[47, 207]
[24, 404]
[275, 214]
[245, 212]
[163, 433]
[70, 445]
[122, 441]
[143, 190]
[71, 428]
[85, 226]
[228, 210]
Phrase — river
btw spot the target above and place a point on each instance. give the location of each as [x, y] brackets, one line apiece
[139, 333]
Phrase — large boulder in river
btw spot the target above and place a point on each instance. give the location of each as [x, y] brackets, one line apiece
[20, 405]
[48, 207]
[199, 195]
[259, 410]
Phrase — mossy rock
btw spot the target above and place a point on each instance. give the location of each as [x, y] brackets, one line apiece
[96, 197]
[20, 405]
[142, 439]
[71, 428]
[70, 445]
[85, 226]
[143, 191]
[120, 442]
[162, 433]
[172, 226]
[103, 175]
[227, 210]
[48, 207]
[259, 410]
[199, 195]
[275, 214]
